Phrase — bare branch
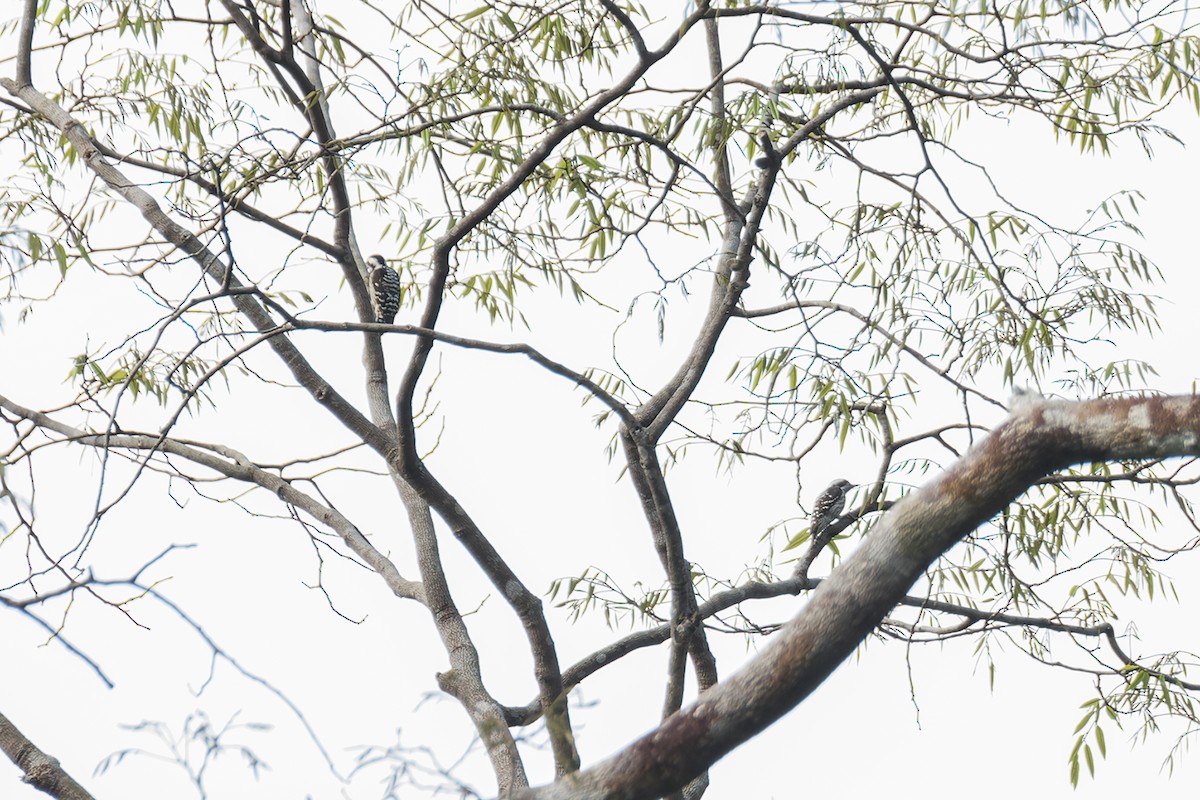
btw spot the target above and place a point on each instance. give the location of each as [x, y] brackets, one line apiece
[232, 464]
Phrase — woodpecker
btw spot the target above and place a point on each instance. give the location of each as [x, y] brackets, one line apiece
[826, 509]
[384, 283]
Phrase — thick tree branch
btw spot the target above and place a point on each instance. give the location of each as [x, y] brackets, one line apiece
[415, 472]
[524, 603]
[464, 681]
[42, 771]
[300, 368]
[1039, 437]
[25, 42]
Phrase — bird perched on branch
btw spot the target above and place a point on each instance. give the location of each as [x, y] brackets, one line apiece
[384, 283]
[827, 508]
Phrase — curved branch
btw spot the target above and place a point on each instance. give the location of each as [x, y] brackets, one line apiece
[506, 348]
[1039, 437]
[411, 467]
[186, 241]
[757, 590]
[232, 464]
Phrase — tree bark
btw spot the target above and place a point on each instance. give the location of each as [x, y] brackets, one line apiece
[42, 771]
[1039, 437]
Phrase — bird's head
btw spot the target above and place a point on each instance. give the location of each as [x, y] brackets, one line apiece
[376, 261]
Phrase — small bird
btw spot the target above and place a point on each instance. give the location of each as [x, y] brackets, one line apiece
[827, 508]
[384, 283]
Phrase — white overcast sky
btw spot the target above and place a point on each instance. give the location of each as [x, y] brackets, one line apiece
[890, 721]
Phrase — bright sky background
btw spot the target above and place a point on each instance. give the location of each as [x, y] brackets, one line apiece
[862, 734]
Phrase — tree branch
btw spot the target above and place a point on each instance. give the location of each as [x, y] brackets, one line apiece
[1039, 437]
[412, 468]
[42, 771]
[232, 464]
